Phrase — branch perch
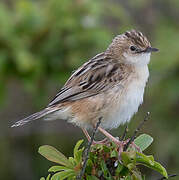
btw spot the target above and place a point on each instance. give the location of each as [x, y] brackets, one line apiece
[124, 134]
[136, 131]
[86, 154]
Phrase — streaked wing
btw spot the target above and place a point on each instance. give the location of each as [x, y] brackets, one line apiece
[95, 76]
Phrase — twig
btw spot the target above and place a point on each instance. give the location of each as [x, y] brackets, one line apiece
[169, 176]
[136, 131]
[88, 150]
[124, 134]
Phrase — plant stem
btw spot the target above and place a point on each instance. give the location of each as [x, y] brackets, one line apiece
[136, 131]
[124, 134]
[79, 177]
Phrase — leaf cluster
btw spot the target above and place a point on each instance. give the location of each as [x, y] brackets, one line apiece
[69, 167]
[104, 162]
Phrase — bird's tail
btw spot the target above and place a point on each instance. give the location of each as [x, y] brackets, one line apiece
[35, 116]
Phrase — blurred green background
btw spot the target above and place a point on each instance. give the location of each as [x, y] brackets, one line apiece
[43, 41]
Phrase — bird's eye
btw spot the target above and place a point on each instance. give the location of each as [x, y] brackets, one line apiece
[133, 48]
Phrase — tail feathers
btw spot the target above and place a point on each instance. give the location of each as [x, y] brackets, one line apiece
[34, 116]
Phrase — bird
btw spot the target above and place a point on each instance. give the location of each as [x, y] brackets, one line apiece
[109, 86]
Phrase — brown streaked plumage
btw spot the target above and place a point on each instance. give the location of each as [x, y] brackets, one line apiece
[110, 85]
[138, 38]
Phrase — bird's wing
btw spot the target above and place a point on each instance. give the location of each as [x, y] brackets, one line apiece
[95, 76]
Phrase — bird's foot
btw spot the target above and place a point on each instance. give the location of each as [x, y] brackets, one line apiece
[137, 148]
[121, 145]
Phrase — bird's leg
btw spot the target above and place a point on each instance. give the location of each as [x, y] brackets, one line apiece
[120, 144]
[104, 141]
[133, 145]
[112, 138]
[136, 147]
[86, 134]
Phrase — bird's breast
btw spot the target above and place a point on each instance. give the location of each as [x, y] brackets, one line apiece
[126, 100]
[116, 106]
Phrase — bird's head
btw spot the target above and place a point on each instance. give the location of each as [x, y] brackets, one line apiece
[132, 47]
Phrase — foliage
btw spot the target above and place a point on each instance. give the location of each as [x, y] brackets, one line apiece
[42, 41]
[104, 162]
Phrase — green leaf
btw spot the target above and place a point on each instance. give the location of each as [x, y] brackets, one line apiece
[114, 153]
[48, 177]
[119, 169]
[149, 162]
[71, 159]
[128, 177]
[136, 175]
[131, 166]
[105, 170]
[42, 178]
[142, 158]
[62, 175]
[58, 168]
[78, 144]
[89, 166]
[54, 155]
[128, 157]
[78, 152]
[106, 149]
[143, 141]
[91, 177]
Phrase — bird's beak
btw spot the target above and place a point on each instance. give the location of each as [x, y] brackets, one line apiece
[150, 49]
